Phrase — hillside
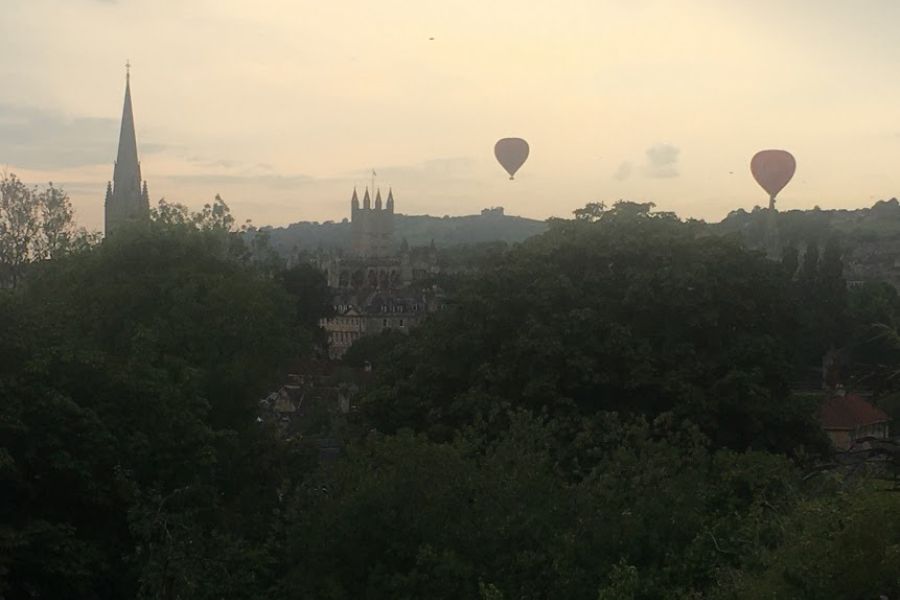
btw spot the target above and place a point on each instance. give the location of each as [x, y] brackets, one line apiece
[418, 230]
[869, 237]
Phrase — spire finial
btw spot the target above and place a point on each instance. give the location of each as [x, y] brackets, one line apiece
[128, 70]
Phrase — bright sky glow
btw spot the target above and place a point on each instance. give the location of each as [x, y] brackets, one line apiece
[281, 106]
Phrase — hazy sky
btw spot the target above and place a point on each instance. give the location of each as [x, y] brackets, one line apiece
[282, 105]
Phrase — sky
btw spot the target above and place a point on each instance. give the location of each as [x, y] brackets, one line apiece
[282, 106]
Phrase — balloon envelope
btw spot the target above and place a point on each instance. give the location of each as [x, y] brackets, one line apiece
[511, 153]
[773, 169]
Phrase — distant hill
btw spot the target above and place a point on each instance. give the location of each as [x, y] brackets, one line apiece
[870, 237]
[881, 221]
[492, 225]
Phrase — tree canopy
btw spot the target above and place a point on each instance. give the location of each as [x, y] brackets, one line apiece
[628, 311]
[129, 391]
[603, 411]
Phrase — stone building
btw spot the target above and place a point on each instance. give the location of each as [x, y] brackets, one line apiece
[358, 314]
[378, 285]
[127, 198]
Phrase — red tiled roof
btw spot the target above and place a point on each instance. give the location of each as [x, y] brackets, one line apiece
[849, 412]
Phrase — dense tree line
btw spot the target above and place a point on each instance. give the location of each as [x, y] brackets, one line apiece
[132, 461]
[635, 313]
[603, 411]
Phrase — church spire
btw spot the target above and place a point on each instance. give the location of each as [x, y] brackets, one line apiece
[127, 172]
[354, 201]
[378, 199]
[390, 200]
[129, 200]
[367, 202]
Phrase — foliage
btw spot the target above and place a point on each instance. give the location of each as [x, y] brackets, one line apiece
[404, 517]
[311, 298]
[602, 411]
[837, 546]
[872, 354]
[374, 350]
[35, 225]
[631, 311]
[132, 459]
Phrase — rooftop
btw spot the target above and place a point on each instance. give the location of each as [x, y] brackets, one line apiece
[850, 411]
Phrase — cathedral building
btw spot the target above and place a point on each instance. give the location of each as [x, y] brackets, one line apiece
[127, 199]
[378, 285]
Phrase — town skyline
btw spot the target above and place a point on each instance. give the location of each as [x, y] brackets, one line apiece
[282, 112]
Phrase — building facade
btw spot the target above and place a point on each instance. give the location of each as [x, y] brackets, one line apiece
[127, 198]
[378, 285]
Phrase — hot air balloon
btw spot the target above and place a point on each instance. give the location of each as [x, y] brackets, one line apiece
[511, 153]
[773, 169]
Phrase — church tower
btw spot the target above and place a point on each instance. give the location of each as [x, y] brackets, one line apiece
[372, 229]
[127, 198]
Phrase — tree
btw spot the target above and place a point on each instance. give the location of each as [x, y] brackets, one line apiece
[309, 288]
[129, 443]
[592, 211]
[790, 260]
[374, 349]
[35, 225]
[632, 313]
[621, 209]
[810, 269]
[835, 546]
[654, 514]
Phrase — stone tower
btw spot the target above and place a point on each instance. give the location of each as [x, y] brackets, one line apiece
[372, 229]
[127, 199]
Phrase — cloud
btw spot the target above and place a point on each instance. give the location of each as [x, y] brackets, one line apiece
[662, 161]
[213, 163]
[624, 171]
[38, 139]
[277, 182]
